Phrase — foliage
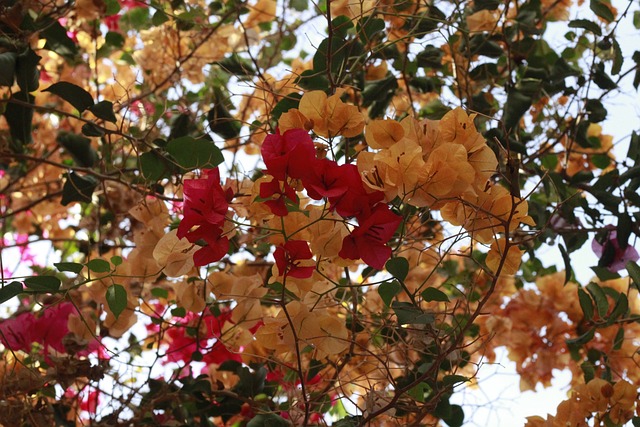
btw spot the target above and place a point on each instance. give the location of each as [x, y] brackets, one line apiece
[272, 213]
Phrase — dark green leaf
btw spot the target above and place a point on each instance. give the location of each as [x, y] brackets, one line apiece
[160, 293]
[605, 274]
[602, 10]
[19, 117]
[601, 78]
[587, 25]
[408, 314]
[589, 370]
[430, 57]
[73, 94]
[116, 299]
[596, 110]
[237, 66]
[398, 267]
[9, 291]
[341, 25]
[7, 68]
[618, 59]
[517, 104]
[104, 110]
[99, 266]
[79, 147]
[78, 188]
[434, 294]
[299, 5]
[159, 17]
[567, 264]
[369, 28]
[620, 309]
[634, 272]
[285, 104]
[586, 304]
[582, 339]
[623, 229]
[154, 166]
[456, 418]
[268, 420]
[600, 298]
[91, 129]
[311, 80]
[388, 290]
[190, 153]
[27, 73]
[58, 41]
[73, 267]
[619, 339]
[454, 379]
[47, 284]
[222, 122]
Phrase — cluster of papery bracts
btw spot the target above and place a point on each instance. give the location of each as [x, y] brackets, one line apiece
[292, 162]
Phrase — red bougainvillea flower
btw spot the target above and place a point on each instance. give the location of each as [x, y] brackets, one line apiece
[356, 201]
[611, 255]
[368, 240]
[326, 179]
[288, 155]
[47, 328]
[183, 343]
[205, 206]
[289, 257]
[277, 193]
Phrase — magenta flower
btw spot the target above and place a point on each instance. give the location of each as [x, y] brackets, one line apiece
[611, 255]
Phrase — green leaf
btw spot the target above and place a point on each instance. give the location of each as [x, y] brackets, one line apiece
[285, 104]
[190, 153]
[600, 298]
[299, 5]
[27, 72]
[408, 314]
[419, 391]
[604, 273]
[388, 290]
[620, 309]
[587, 25]
[7, 68]
[454, 379]
[72, 267]
[623, 229]
[268, 420]
[9, 291]
[601, 78]
[596, 110]
[222, 122]
[58, 41]
[619, 339]
[160, 293]
[19, 117]
[582, 339]
[517, 104]
[159, 18]
[237, 66]
[369, 27]
[77, 188]
[116, 260]
[456, 418]
[79, 147]
[99, 266]
[602, 10]
[618, 59]
[104, 110]
[586, 304]
[154, 166]
[567, 263]
[91, 129]
[311, 80]
[634, 272]
[116, 299]
[434, 294]
[73, 94]
[48, 284]
[398, 267]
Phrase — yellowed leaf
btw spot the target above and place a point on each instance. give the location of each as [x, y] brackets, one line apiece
[383, 133]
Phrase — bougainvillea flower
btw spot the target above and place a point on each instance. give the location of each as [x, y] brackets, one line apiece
[277, 192]
[369, 240]
[611, 255]
[356, 201]
[288, 155]
[216, 248]
[205, 202]
[47, 328]
[290, 259]
[326, 179]
[205, 206]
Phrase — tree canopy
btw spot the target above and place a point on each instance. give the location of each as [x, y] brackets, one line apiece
[285, 212]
